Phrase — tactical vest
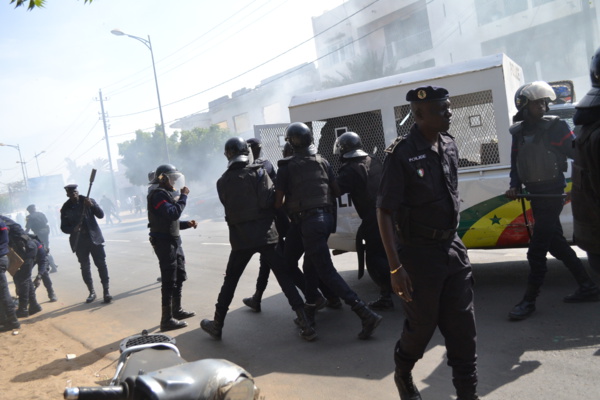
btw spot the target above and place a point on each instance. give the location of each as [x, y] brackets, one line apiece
[242, 190]
[159, 224]
[309, 184]
[536, 161]
[365, 200]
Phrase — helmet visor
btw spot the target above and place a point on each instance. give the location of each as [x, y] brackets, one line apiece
[177, 180]
[337, 147]
[539, 90]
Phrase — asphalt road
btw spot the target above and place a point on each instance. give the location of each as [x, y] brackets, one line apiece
[554, 354]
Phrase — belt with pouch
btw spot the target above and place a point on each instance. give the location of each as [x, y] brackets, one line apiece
[431, 233]
[302, 215]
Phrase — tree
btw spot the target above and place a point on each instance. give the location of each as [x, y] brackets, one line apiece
[366, 67]
[31, 4]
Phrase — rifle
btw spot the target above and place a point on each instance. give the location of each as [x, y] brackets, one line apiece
[78, 226]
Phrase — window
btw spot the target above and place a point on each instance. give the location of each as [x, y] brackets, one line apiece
[492, 10]
[241, 123]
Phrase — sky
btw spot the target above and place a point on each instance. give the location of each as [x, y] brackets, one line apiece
[55, 60]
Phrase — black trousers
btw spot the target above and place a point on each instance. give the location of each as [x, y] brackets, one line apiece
[7, 307]
[85, 248]
[239, 259]
[442, 283]
[171, 261]
[548, 237]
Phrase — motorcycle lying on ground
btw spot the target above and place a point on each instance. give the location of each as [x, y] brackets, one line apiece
[150, 367]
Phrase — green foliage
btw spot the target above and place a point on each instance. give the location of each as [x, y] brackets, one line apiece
[192, 152]
[367, 67]
[31, 4]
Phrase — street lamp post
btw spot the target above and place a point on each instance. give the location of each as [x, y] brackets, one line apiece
[37, 163]
[20, 161]
[148, 44]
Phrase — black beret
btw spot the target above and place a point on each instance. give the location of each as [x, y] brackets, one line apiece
[71, 186]
[253, 142]
[427, 93]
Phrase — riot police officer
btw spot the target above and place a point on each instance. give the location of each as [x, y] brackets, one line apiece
[586, 170]
[430, 269]
[26, 248]
[246, 192]
[38, 223]
[164, 211]
[306, 183]
[540, 148]
[360, 175]
[8, 318]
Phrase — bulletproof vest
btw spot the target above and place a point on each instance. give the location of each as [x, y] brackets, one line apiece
[18, 239]
[364, 201]
[309, 184]
[246, 193]
[159, 224]
[536, 160]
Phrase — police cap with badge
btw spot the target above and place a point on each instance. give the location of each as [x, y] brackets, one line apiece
[427, 93]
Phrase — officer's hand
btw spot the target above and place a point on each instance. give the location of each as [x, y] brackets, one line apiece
[88, 202]
[402, 285]
[185, 190]
[192, 224]
[512, 193]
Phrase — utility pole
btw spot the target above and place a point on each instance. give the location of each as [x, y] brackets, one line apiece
[110, 165]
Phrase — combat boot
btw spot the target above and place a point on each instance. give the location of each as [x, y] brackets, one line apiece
[370, 320]
[254, 301]
[107, 297]
[215, 327]
[167, 322]
[309, 310]
[179, 312]
[307, 332]
[52, 296]
[406, 386]
[34, 306]
[587, 291]
[383, 303]
[10, 324]
[92, 295]
[527, 306]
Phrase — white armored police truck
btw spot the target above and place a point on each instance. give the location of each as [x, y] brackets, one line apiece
[482, 101]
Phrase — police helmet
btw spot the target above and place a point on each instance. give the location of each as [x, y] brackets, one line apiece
[168, 172]
[151, 176]
[300, 137]
[349, 145]
[288, 150]
[533, 91]
[592, 97]
[236, 150]
[31, 208]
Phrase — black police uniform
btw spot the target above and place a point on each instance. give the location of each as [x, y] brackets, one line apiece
[420, 185]
[247, 195]
[164, 223]
[38, 223]
[26, 248]
[43, 275]
[90, 241]
[360, 176]
[8, 318]
[538, 161]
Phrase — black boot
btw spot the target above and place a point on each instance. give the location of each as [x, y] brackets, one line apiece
[22, 311]
[9, 324]
[167, 322]
[307, 332]
[406, 387]
[215, 327]
[527, 306]
[254, 301]
[383, 303]
[52, 296]
[178, 312]
[370, 320]
[34, 306]
[587, 291]
[107, 297]
[92, 295]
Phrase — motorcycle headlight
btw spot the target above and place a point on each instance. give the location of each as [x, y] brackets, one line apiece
[242, 389]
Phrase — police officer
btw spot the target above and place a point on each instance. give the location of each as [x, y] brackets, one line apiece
[26, 248]
[540, 147]
[585, 195]
[430, 270]
[8, 318]
[78, 219]
[306, 183]
[360, 175]
[43, 275]
[164, 211]
[37, 222]
[246, 192]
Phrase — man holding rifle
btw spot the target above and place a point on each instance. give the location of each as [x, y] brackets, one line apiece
[78, 218]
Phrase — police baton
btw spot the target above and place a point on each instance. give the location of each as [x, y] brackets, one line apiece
[78, 227]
